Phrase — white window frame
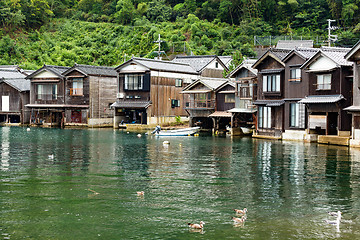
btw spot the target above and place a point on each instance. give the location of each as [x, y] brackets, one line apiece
[323, 82]
[134, 82]
[178, 82]
[264, 117]
[297, 77]
[271, 83]
[77, 86]
[297, 115]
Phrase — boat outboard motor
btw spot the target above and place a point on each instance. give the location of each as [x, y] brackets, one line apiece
[157, 129]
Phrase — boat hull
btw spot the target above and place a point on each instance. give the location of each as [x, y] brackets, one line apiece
[179, 132]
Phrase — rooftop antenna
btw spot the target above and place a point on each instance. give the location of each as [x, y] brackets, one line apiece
[159, 41]
[331, 37]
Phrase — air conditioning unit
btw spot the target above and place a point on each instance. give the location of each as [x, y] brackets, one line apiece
[119, 95]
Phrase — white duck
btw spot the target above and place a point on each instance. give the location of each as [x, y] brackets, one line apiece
[196, 225]
[338, 218]
[239, 220]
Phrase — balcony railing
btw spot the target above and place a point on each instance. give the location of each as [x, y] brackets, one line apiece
[46, 96]
[200, 104]
[76, 91]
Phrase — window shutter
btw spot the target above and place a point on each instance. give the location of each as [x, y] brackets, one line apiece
[264, 83]
[146, 85]
[122, 81]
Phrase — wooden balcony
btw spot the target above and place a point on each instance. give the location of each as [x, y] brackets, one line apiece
[200, 104]
[76, 91]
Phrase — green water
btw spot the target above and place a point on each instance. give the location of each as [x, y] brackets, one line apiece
[287, 187]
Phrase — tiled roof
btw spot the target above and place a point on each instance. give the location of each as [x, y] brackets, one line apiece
[306, 52]
[280, 53]
[291, 44]
[10, 67]
[56, 69]
[270, 103]
[337, 55]
[162, 65]
[322, 99]
[226, 60]
[19, 84]
[197, 62]
[213, 84]
[131, 104]
[94, 70]
[10, 73]
[247, 63]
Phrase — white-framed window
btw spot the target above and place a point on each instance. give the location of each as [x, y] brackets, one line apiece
[77, 87]
[178, 82]
[229, 98]
[46, 92]
[134, 82]
[264, 120]
[271, 83]
[297, 115]
[323, 82]
[175, 103]
[295, 74]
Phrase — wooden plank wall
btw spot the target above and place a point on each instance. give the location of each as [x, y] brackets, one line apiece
[102, 94]
[162, 89]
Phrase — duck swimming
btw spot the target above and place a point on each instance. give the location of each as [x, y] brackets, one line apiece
[241, 212]
[239, 220]
[197, 226]
[338, 218]
[140, 193]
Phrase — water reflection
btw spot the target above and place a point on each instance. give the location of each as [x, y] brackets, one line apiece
[5, 151]
[91, 184]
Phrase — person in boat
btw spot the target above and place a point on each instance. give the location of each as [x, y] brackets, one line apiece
[157, 130]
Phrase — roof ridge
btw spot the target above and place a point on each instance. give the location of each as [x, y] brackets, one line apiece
[92, 66]
[196, 56]
[161, 61]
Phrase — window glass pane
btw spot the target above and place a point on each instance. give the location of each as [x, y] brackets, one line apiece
[265, 83]
[277, 83]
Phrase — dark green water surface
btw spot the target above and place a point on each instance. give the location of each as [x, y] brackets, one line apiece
[287, 187]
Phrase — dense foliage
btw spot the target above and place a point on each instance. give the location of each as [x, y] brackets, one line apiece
[104, 32]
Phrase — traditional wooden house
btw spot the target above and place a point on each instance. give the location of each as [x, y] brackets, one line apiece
[207, 101]
[244, 112]
[148, 91]
[47, 96]
[354, 56]
[270, 96]
[296, 87]
[15, 94]
[330, 91]
[206, 65]
[91, 90]
[64, 96]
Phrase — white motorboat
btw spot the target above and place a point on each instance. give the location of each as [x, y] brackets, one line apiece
[177, 132]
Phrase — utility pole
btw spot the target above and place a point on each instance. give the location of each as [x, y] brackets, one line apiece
[331, 37]
[159, 41]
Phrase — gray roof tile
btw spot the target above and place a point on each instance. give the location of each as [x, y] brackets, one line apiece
[291, 44]
[94, 70]
[19, 84]
[197, 62]
[162, 65]
[337, 55]
[322, 99]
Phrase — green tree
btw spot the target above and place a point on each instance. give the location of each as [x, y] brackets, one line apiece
[125, 12]
[158, 11]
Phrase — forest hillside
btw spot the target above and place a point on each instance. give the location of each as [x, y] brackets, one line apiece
[106, 32]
